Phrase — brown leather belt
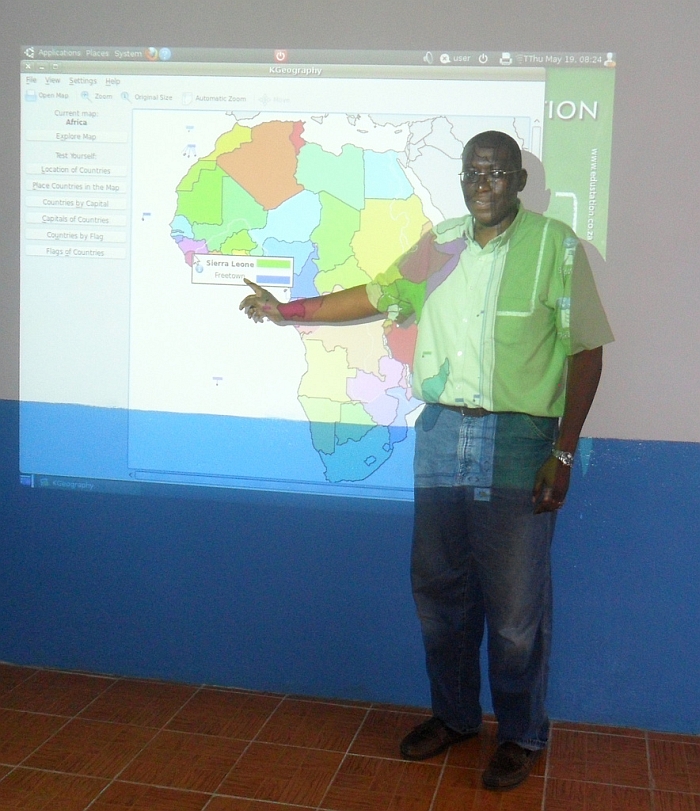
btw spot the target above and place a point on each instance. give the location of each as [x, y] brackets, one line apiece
[465, 411]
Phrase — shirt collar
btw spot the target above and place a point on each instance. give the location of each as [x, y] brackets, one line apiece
[501, 239]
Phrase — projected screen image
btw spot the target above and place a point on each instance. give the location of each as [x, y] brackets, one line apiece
[155, 180]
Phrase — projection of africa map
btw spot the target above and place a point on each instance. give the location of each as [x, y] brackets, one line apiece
[265, 191]
[331, 200]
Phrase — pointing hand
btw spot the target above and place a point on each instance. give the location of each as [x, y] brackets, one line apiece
[260, 305]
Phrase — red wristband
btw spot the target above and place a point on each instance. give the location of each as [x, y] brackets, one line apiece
[293, 309]
[302, 309]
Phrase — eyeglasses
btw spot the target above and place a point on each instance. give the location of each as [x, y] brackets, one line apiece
[471, 177]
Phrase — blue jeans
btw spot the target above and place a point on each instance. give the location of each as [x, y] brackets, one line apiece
[480, 555]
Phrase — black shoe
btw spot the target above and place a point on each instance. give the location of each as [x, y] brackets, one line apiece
[430, 738]
[510, 766]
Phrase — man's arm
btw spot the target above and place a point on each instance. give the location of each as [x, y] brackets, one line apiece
[583, 375]
[344, 305]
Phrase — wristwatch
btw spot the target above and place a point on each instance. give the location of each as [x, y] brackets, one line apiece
[565, 457]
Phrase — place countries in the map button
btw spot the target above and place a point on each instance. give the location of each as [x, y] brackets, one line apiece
[73, 184]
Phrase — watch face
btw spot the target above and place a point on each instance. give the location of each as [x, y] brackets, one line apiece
[565, 457]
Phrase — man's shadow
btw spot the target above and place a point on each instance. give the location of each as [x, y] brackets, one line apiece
[537, 197]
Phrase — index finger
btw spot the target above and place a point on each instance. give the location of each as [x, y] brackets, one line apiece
[254, 287]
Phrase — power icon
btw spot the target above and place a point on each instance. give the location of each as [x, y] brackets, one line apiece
[483, 59]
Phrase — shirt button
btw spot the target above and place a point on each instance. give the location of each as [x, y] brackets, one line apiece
[459, 354]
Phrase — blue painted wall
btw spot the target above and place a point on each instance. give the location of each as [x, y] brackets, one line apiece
[311, 596]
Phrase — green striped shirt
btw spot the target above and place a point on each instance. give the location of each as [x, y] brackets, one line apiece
[495, 325]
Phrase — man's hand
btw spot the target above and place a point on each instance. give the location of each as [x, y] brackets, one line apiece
[551, 486]
[552, 480]
[260, 305]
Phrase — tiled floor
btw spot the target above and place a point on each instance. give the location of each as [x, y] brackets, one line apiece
[70, 741]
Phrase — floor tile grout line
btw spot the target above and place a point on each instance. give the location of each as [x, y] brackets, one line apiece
[76, 717]
[116, 777]
[26, 678]
[11, 770]
[99, 695]
[215, 794]
[327, 702]
[145, 785]
[438, 784]
[123, 680]
[588, 734]
[601, 733]
[114, 678]
[245, 749]
[650, 773]
[378, 707]
[588, 729]
[562, 725]
[38, 712]
[22, 765]
[271, 803]
[269, 718]
[545, 781]
[343, 759]
[197, 691]
[44, 742]
[62, 672]
[645, 787]
[158, 731]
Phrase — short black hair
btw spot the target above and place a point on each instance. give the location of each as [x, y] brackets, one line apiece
[493, 139]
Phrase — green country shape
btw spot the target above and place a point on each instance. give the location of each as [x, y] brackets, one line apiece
[194, 172]
[347, 432]
[339, 223]
[323, 436]
[241, 211]
[340, 175]
[213, 235]
[204, 203]
[239, 243]
[349, 274]
[404, 296]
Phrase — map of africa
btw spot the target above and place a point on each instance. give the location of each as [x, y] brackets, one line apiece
[343, 214]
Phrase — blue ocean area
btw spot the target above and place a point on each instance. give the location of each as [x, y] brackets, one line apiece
[123, 445]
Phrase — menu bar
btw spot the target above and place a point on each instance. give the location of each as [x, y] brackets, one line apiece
[280, 56]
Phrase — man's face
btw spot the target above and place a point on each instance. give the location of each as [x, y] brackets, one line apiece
[492, 201]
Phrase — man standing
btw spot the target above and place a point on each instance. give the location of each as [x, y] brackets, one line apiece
[508, 357]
